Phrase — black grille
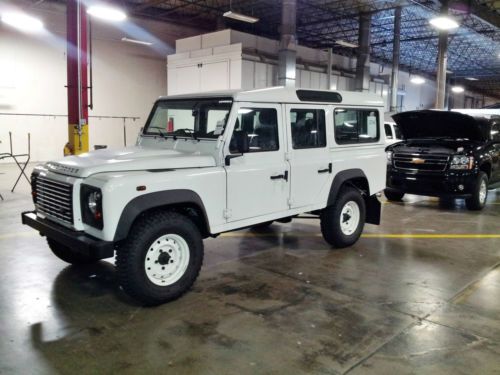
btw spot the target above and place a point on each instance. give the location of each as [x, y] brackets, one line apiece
[54, 198]
[420, 162]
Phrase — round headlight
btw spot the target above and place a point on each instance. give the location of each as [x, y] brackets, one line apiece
[93, 200]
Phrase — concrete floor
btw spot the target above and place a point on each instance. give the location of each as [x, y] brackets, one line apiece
[278, 302]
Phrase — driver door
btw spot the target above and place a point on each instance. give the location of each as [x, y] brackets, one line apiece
[258, 181]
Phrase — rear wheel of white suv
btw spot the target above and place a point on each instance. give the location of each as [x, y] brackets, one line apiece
[479, 193]
[343, 222]
[161, 258]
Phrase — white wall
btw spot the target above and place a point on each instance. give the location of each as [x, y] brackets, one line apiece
[127, 80]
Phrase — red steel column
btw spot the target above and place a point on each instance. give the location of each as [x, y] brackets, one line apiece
[76, 29]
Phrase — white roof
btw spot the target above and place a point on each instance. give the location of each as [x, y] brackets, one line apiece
[282, 94]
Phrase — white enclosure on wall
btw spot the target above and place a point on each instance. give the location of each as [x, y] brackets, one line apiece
[233, 60]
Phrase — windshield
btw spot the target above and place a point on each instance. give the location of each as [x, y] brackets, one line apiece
[194, 118]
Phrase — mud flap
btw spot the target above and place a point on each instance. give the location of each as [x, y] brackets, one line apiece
[373, 210]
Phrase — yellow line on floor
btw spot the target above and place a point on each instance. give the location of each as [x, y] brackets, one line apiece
[370, 235]
[429, 235]
[306, 234]
[19, 234]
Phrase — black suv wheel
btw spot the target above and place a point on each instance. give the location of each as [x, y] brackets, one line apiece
[479, 193]
[393, 195]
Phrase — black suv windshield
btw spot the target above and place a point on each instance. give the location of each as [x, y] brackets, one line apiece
[191, 118]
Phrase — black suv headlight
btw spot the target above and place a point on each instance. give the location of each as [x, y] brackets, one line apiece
[91, 206]
[388, 154]
[462, 162]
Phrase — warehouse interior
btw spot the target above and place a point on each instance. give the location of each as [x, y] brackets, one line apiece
[419, 293]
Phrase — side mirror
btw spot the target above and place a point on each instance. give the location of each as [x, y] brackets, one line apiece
[241, 141]
[239, 145]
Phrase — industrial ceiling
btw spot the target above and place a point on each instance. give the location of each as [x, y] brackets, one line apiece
[474, 48]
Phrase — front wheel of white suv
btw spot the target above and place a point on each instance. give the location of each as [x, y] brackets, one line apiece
[343, 222]
[161, 258]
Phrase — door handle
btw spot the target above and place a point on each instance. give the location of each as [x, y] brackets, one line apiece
[284, 176]
[326, 170]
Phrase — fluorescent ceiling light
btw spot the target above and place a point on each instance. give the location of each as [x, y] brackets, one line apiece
[471, 79]
[343, 43]
[22, 22]
[107, 13]
[135, 41]
[240, 17]
[457, 89]
[444, 23]
[417, 80]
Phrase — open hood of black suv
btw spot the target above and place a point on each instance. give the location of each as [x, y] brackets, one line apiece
[438, 124]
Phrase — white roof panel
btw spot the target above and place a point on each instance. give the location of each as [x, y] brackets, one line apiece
[282, 94]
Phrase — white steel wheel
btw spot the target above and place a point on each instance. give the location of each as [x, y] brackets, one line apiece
[167, 259]
[483, 192]
[349, 218]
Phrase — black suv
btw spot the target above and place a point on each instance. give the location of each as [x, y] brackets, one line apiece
[444, 154]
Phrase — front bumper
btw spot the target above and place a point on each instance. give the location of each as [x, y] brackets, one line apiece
[444, 184]
[77, 241]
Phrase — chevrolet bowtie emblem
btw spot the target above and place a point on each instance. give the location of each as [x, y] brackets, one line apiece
[418, 161]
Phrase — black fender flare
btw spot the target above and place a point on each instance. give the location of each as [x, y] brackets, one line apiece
[145, 202]
[373, 206]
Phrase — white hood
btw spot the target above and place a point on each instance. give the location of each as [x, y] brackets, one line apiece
[135, 158]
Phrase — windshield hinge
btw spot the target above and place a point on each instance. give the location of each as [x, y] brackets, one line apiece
[289, 201]
[287, 156]
[226, 213]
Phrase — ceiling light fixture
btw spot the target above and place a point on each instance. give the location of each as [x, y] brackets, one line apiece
[417, 80]
[457, 89]
[444, 23]
[240, 17]
[343, 43]
[135, 41]
[107, 13]
[471, 79]
[22, 22]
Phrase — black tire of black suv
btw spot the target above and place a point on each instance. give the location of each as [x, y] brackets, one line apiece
[475, 202]
[133, 257]
[331, 219]
[393, 195]
[68, 255]
[262, 226]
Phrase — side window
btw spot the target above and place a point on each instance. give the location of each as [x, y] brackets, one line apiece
[356, 125]
[388, 131]
[261, 127]
[308, 128]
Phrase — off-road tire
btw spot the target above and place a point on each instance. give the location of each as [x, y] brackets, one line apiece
[131, 256]
[69, 255]
[394, 196]
[475, 203]
[331, 219]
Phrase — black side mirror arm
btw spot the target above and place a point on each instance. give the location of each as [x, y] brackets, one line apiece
[227, 159]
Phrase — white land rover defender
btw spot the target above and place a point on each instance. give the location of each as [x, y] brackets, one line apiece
[212, 163]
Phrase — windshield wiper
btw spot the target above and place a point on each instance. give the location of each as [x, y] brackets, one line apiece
[187, 131]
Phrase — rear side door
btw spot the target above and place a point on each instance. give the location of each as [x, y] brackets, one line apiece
[308, 153]
[258, 181]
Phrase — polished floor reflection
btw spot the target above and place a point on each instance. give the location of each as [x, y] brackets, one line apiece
[419, 294]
